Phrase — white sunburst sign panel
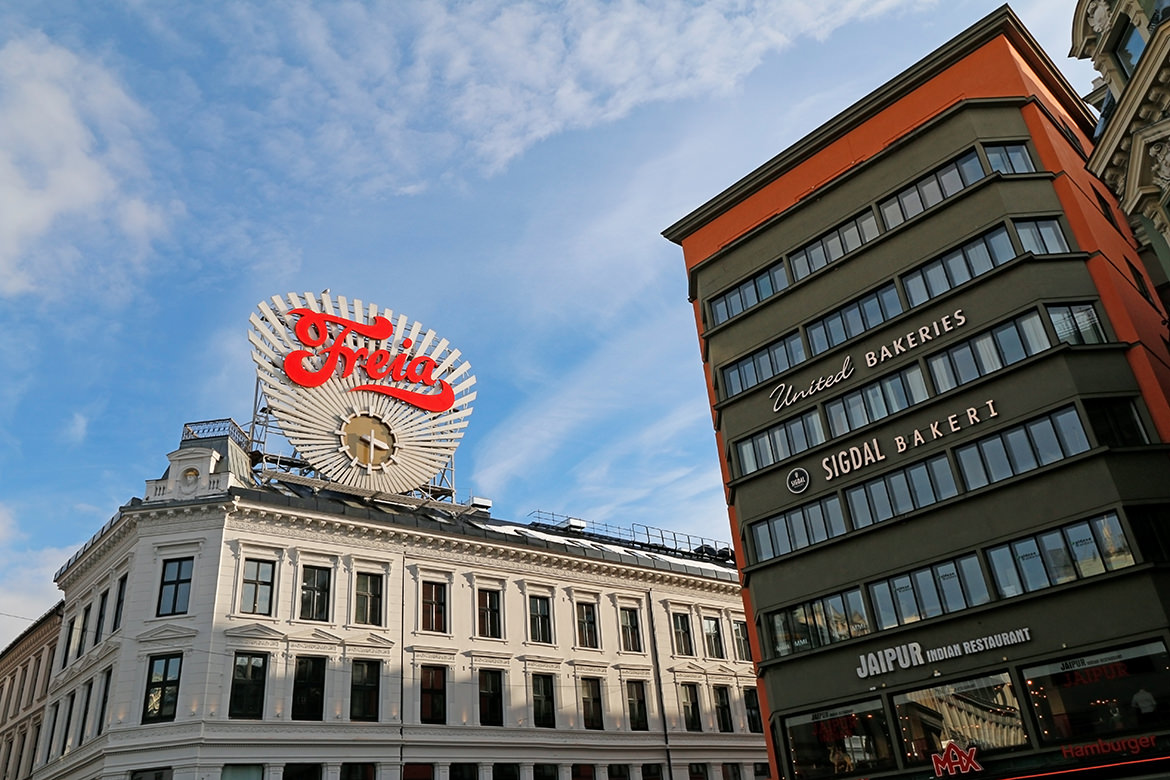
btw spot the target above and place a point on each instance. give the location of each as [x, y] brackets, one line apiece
[369, 398]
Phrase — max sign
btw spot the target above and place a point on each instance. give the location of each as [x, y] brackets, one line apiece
[369, 398]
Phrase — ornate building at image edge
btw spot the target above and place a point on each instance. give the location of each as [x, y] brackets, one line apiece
[226, 628]
[938, 374]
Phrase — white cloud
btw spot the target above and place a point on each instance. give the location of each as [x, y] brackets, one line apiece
[70, 165]
[27, 590]
[76, 428]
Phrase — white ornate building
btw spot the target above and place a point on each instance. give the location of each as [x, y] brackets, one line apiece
[219, 629]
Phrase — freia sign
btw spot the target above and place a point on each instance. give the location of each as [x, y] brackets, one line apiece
[369, 398]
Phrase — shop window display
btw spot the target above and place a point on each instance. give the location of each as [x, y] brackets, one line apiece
[981, 713]
[841, 742]
[1094, 696]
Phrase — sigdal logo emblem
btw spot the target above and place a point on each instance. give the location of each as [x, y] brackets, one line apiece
[798, 480]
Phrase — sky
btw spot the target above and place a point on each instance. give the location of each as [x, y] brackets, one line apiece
[500, 171]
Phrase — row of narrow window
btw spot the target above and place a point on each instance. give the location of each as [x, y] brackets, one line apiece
[958, 266]
[988, 351]
[79, 637]
[1071, 552]
[467, 771]
[1017, 450]
[852, 234]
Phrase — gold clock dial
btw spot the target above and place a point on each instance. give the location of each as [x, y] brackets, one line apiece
[368, 441]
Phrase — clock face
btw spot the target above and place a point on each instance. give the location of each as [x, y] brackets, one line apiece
[369, 398]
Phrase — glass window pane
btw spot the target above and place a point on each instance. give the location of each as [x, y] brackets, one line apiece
[900, 493]
[780, 541]
[1030, 237]
[1057, 558]
[930, 191]
[871, 308]
[815, 519]
[1000, 244]
[1003, 569]
[875, 402]
[851, 237]
[963, 359]
[763, 361]
[836, 618]
[1030, 565]
[1032, 330]
[910, 201]
[816, 256]
[895, 393]
[795, 348]
[779, 356]
[1010, 344]
[936, 278]
[971, 168]
[747, 292]
[731, 381]
[1052, 236]
[818, 338]
[1044, 438]
[796, 529]
[747, 457]
[1069, 431]
[764, 454]
[986, 354]
[915, 285]
[838, 423]
[854, 324]
[1084, 549]
[973, 582]
[920, 485]
[719, 310]
[836, 327]
[883, 605]
[1021, 162]
[762, 541]
[869, 227]
[858, 507]
[943, 478]
[971, 467]
[834, 516]
[950, 587]
[942, 373]
[891, 213]
[904, 599]
[779, 278]
[891, 304]
[813, 428]
[928, 598]
[997, 157]
[1114, 545]
[956, 266]
[915, 384]
[950, 179]
[763, 284]
[978, 257]
[879, 499]
[855, 408]
[800, 267]
[779, 443]
[995, 457]
[1019, 450]
[859, 624]
[833, 246]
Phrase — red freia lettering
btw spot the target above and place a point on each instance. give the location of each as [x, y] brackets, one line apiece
[312, 330]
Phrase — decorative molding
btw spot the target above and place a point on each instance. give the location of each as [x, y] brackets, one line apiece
[1098, 16]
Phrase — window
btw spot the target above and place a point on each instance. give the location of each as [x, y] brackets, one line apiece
[249, 674]
[798, 528]
[901, 491]
[958, 266]
[309, 688]
[697, 771]
[587, 625]
[1075, 551]
[491, 697]
[689, 696]
[763, 364]
[631, 629]
[1009, 158]
[81, 635]
[854, 319]
[747, 294]
[987, 352]
[490, 624]
[69, 702]
[743, 647]
[544, 713]
[1115, 422]
[945, 587]
[99, 627]
[751, 703]
[256, 593]
[982, 701]
[364, 690]
[855, 738]
[433, 698]
[636, 705]
[304, 772]
[175, 589]
[119, 603]
[723, 708]
[540, 619]
[315, 593]
[591, 703]
[876, 400]
[434, 607]
[1077, 324]
[1072, 695]
[368, 606]
[66, 648]
[816, 623]
[1041, 236]
[931, 190]
[162, 687]
[833, 245]
[104, 704]
[83, 724]
[1128, 48]
[1021, 449]
[681, 622]
[713, 637]
[1139, 281]
[780, 441]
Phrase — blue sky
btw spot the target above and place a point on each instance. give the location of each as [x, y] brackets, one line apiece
[500, 171]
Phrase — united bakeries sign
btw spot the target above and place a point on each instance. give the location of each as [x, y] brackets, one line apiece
[369, 398]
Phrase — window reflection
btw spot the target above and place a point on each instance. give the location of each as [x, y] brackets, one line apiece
[982, 713]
